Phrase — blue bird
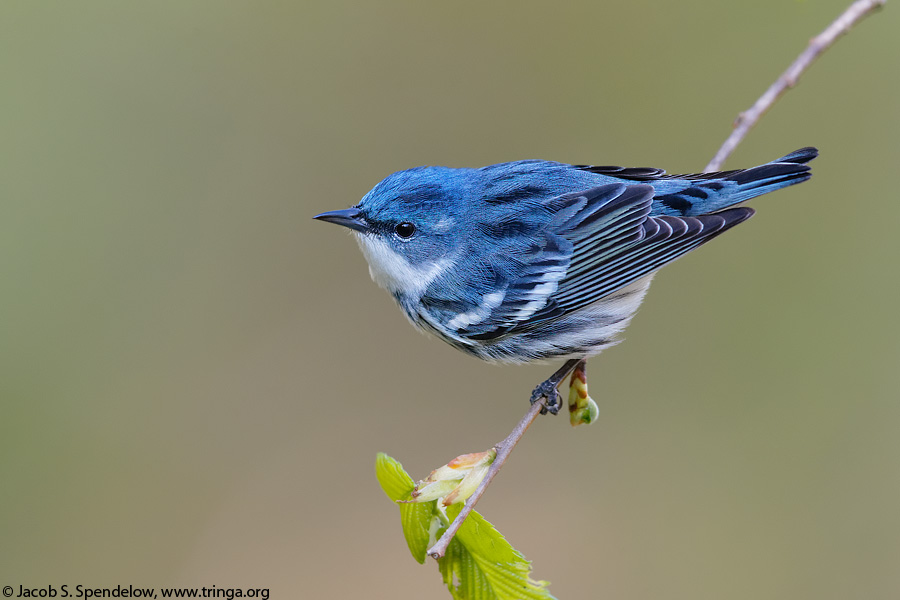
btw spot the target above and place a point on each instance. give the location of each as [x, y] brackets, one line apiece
[535, 259]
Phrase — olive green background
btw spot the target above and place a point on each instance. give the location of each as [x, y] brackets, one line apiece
[195, 376]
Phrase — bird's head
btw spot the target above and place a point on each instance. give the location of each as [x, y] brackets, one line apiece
[408, 227]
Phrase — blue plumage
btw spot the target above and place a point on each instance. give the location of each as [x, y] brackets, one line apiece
[536, 259]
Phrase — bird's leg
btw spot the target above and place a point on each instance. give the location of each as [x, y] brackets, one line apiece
[548, 390]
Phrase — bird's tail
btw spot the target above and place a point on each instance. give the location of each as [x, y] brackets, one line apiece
[702, 193]
[781, 172]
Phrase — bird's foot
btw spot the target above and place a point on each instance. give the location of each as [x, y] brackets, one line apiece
[547, 389]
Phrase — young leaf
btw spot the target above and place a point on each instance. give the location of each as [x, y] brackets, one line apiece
[479, 564]
[415, 518]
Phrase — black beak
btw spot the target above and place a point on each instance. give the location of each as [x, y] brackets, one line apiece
[349, 217]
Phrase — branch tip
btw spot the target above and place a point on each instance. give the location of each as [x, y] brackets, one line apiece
[817, 45]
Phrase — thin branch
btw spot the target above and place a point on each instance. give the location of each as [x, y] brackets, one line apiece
[747, 119]
[503, 450]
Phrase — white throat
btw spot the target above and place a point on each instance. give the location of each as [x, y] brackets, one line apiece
[394, 272]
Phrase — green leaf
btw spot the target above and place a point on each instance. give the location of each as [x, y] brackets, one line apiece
[479, 564]
[415, 518]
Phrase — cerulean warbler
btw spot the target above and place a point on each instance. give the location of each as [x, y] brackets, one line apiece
[535, 259]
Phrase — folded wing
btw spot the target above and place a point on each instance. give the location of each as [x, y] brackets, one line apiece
[597, 242]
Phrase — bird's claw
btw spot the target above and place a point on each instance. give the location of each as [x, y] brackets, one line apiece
[547, 390]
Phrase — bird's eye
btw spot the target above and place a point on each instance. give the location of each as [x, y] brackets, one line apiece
[405, 230]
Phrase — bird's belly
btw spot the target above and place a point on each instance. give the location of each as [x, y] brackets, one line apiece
[577, 334]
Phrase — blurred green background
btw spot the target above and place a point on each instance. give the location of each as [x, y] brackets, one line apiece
[195, 376]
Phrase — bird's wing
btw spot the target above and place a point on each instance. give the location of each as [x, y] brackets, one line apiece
[598, 241]
[599, 269]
